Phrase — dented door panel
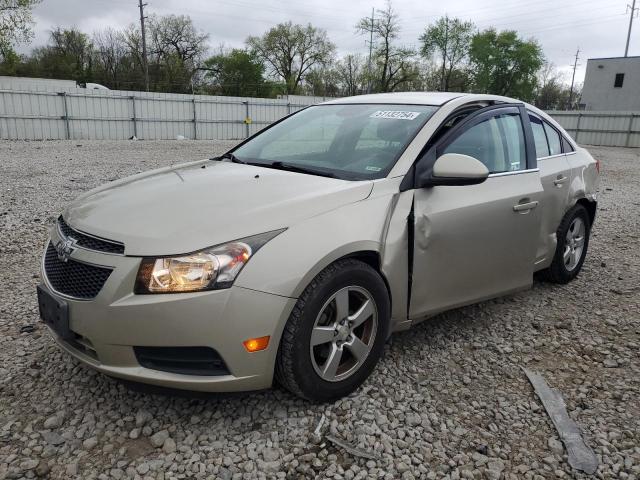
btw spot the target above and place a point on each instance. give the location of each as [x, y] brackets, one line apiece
[471, 244]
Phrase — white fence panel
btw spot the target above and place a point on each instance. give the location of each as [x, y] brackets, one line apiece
[74, 113]
[615, 129]
[116, 115]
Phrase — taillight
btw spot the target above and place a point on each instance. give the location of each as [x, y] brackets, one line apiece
[598, 165]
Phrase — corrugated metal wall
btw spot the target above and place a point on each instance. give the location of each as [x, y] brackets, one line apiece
[75, 113]
[614, 129]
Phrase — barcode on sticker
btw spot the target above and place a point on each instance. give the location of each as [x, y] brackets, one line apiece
[395, 114]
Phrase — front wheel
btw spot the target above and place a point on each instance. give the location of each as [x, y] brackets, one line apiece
[573, 240]
[336, 332]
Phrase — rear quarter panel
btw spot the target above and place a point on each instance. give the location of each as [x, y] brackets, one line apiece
[585, 178]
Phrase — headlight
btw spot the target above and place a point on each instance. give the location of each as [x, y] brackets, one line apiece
[209, 269]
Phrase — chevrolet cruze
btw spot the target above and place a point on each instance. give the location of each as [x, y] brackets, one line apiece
[297, 253]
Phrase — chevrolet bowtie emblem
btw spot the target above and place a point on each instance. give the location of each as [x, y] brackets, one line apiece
[65, 248]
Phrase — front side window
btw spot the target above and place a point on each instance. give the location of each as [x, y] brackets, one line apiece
[498, 142]
[349, 141]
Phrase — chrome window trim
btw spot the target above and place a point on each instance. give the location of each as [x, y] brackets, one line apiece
[515, 172]
[551, 156]
[113, 242]
[557, 155]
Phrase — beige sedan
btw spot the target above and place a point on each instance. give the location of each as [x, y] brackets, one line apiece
[296, 254]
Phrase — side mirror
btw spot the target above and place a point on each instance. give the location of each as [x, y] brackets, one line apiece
[456, 169]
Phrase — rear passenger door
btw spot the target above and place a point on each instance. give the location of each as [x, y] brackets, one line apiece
[555, 175]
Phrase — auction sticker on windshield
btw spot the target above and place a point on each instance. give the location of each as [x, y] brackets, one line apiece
[394, 114]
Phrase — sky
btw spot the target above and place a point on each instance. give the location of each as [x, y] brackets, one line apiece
[597, 27]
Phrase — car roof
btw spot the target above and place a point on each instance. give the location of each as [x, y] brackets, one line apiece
[411, 98]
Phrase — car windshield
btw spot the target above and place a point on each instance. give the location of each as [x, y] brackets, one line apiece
[348, 141]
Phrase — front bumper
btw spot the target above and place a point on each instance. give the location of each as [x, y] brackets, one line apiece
[109, 326]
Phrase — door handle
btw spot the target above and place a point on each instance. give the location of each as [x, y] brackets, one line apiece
[525, 207]
[560, 180]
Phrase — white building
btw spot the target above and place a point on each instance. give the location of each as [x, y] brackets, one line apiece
[612, 84]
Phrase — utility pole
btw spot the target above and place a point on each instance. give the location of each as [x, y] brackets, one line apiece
[145, 64]
[371, 50]
[633, 9]
[573, 77]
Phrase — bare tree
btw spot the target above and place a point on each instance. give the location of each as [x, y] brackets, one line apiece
[393, 63]
[133, 39]
[351, 73]
[552, 93]
[175, 51]
[176, 34]
[449, 39]
[110, 50]
[291, 51]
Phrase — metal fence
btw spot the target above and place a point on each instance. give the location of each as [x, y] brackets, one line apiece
[75, 114]
[614, 129]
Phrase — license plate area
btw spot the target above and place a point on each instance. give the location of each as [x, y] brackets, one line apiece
[54, 313]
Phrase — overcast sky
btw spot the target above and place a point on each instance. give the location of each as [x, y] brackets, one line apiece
[598, 27]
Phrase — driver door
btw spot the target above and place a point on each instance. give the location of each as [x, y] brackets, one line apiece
[478, 241]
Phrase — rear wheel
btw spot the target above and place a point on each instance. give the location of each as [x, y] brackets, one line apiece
[336, 332]
[571, 250]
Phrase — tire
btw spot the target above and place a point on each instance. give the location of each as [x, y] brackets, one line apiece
[561, 270]
[306, 370]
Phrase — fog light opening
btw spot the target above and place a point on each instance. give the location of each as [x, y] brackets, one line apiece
[256, 344]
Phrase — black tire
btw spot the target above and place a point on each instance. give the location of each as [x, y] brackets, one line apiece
[294, 368]
[558, 271]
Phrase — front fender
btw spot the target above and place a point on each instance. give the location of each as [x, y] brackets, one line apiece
[286, 264]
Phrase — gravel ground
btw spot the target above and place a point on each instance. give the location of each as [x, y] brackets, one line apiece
[449, 400]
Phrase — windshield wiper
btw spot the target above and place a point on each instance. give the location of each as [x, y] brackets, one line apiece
[277, 165]
[231, 157]
[297, 168]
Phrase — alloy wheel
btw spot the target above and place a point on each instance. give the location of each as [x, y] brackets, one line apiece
[343, 334]
[574, 244]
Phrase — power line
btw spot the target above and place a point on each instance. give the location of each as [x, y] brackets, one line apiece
[633, 9]
[145, 63]
[506, 20]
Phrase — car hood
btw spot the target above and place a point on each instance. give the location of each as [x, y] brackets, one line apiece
[188, 207]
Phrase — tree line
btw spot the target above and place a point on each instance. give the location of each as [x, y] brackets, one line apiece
[453, 55]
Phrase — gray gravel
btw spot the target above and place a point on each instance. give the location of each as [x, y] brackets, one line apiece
[449, 400]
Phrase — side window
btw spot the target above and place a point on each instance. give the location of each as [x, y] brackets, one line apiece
[566, 146]
[554, 139]
[540, 138]
[498, 142]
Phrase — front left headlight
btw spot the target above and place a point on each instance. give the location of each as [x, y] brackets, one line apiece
[210, 269]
